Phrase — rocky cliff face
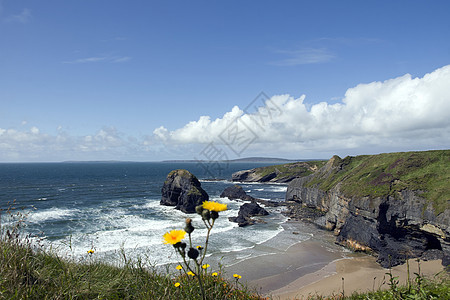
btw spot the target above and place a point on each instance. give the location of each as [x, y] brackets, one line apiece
[183, 190]
[279, 173]
[399, 225]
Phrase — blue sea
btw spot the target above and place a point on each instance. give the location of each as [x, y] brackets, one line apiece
[113, 208]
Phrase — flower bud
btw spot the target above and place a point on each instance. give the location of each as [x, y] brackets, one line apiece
[177, 245]
[183, 246]
[214, 215]
[206, 215]
[189, 228]
[199, 209]
[193, 253]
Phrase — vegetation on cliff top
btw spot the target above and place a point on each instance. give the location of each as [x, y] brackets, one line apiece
[290, 170]
[389, 173]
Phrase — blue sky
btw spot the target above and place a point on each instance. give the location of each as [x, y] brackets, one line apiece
[152, 80]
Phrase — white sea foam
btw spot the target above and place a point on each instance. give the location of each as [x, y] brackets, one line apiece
[54, 213]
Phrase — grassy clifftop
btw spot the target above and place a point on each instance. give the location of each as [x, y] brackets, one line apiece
[388, 173]
[279, 173]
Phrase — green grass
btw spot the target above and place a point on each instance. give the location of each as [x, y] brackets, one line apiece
[297, 169]
[28, 271]
[389, 173]
[31, 274]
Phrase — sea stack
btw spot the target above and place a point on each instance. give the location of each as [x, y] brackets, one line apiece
[183, 190]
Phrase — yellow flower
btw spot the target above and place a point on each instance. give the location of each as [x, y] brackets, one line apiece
[205, 266]
[90, 251]
[199, 248]
[190, 273]
[237, 276]
[177, 284]
[179, 267]
[214, 206]
[174, 236]
[215, 274]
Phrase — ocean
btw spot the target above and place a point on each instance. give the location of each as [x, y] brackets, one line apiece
[113, 208]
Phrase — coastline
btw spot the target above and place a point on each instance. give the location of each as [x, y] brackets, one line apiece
[317, 266]
[358, 274]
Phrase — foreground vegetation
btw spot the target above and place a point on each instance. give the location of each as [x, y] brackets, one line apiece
[29, 271]
[34, 274]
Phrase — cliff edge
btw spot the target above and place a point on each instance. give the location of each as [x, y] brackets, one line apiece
[396, 205]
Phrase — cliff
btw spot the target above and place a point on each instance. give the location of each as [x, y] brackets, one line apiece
[396, 205]
[279, 173]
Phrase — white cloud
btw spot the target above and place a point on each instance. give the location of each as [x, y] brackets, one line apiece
[33, 145]
[400, 112]
[23, 17]
[96, 59]
[304, 56]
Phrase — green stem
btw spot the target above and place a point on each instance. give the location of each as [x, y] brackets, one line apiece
[207, 240]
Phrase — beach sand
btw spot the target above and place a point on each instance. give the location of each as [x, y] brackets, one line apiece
[359, 274]
[317, 266]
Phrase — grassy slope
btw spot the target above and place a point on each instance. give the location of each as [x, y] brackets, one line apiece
[386, 174]
[297, 169]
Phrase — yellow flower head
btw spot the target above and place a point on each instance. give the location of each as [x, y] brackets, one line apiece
[177, 284]
[190, 273]
[214, 274]
[90, 251]
[214, 206]
[179, 267]
[199, 248]
[174, 236]
[205, 266]
[237, 276]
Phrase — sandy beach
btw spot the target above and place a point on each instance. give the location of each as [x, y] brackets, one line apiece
[318, 266]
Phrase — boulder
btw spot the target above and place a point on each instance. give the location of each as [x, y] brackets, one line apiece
[246, 211]
[236, 192]
[182, 190]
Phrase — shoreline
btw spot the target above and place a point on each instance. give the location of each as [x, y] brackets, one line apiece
[316, 266]
[358, 274]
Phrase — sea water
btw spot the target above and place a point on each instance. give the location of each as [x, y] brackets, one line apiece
[113, 208]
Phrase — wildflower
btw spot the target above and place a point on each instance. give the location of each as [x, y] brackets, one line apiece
[237, 276]
[205, 266]
[174, 237]
[199, 248]
[90, 252]
[179, 267]
[191, 273]
[214, 206]
[177, 284]
[215, 274]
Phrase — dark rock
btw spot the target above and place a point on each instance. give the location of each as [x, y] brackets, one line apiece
[183, 190]
[236, 192]
[241, 175]
[246, 211]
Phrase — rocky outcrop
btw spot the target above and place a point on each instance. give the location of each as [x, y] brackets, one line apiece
[236, 192]
[395, 226]
[246, 212]
[182, 190]
[279, 173]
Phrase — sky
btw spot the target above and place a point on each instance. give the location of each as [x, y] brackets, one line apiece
[205, 80]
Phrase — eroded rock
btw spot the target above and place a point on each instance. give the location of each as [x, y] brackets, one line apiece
[182, 190]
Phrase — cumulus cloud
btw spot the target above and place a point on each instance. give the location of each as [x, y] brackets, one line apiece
[32, 144]
[398, 112]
